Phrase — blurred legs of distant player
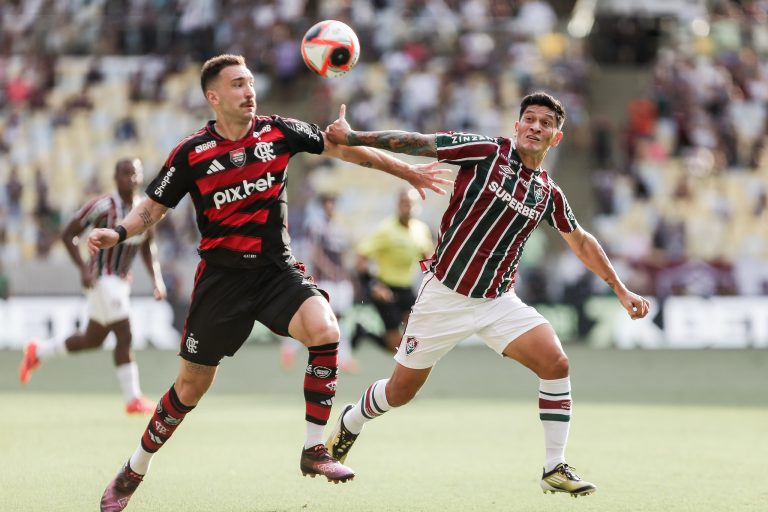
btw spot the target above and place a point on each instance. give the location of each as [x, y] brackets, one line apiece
[440, 319]
[108, 306]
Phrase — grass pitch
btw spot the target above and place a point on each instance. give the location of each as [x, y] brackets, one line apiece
[656, 431]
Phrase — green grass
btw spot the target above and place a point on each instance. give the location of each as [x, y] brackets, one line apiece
[656, 431]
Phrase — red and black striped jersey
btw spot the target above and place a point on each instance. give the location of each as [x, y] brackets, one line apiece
[238, 188]
[107, 212]
[495, 206]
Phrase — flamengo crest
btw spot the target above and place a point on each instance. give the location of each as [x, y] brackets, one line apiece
[410, 345]
[237, 156]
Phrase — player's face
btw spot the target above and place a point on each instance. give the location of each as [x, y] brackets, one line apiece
[128, 177]
[537, 130]
[233, 94]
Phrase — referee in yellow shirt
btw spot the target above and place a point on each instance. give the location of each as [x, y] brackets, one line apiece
[387, 261]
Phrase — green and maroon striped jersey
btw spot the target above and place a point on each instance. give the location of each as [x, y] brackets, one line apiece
[495, 206]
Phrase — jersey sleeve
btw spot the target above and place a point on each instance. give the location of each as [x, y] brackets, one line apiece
[301, 136]
[561, 216]
[173, 181]
[91, 211]
[464, 148]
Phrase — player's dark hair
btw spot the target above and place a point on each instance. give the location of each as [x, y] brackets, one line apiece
[214, 65]
[545, 100]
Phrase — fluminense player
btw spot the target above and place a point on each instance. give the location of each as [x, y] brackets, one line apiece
[234, 169]
[105, 279]
[501, 194]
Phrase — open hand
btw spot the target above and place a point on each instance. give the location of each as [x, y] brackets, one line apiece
[425, 177]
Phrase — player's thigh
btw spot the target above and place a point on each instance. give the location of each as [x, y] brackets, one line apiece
[505, 319]
[96, 333]
[314, 323]
[280, 306]
[219, 319]
[540, 350]
[439, 320]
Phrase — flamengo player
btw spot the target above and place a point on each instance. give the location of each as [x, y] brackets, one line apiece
[107, 286]
[234, 168]
[501, 194]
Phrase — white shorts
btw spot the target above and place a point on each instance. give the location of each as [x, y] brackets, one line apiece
[441, 318]
[109, 300]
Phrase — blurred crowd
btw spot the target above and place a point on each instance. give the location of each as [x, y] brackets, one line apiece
[681, 206]
[684, 203]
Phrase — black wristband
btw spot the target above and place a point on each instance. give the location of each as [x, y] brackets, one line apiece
[121, 233]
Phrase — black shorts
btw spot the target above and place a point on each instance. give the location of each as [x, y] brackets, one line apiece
[392, 312]
[226, 302]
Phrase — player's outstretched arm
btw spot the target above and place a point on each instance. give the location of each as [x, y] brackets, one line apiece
[145, 215]
[397, 141]
[421, 176]
[591, 253]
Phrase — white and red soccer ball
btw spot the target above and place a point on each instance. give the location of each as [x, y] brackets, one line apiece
[330, 48]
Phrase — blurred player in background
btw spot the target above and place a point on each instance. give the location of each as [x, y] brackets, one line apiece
[234, 169]
[387, 260]
[328, 245]
[501, 194]
[107, 284]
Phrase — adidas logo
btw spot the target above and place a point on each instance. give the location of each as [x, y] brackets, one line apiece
[215, 167]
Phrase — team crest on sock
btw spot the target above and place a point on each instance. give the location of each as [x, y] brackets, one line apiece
[410, 345]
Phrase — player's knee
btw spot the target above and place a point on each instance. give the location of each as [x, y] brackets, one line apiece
[329, 333]
[190, 391]
[559, 366]
[94, 341]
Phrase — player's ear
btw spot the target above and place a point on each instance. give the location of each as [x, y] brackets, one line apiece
[212, 97]
[558, 138]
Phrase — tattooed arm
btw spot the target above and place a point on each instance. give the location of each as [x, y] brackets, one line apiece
[409, 143]
[142, 217]
[340, 139]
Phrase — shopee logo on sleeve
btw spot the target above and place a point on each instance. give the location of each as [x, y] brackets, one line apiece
[164, 183]
[243, 190]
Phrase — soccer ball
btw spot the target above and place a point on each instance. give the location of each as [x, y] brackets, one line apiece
[330, 48]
